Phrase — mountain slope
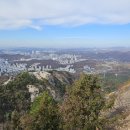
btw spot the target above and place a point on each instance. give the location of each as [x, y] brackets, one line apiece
[122, 105]
[54, 81]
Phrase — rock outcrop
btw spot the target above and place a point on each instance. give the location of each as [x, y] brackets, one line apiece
[53, 81]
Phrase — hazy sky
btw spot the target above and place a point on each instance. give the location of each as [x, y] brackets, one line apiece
[64, 23]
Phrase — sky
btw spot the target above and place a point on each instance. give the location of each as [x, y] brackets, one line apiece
[64, 23]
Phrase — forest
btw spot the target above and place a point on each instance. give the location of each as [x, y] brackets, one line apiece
[83, 106]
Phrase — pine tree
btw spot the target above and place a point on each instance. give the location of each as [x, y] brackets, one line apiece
[43, 114]
[83, 104]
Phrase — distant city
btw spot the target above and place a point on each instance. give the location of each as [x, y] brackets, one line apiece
[92, 60]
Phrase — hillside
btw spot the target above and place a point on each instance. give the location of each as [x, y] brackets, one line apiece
[18, 93]
[53, 81]
[122, 106]
[25, 87]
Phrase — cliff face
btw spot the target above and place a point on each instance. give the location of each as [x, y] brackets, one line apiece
[55, 82]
